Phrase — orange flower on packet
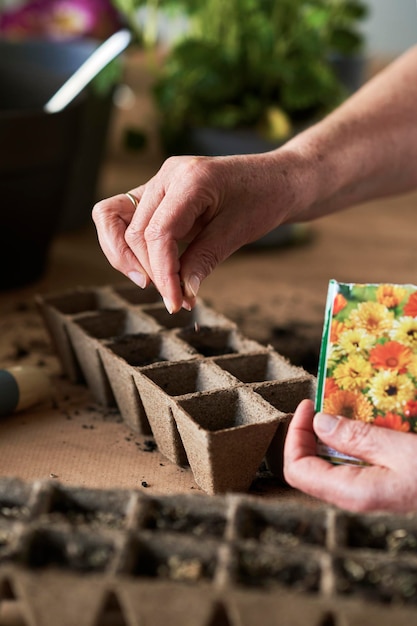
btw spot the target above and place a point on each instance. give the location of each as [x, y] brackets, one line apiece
[368, 359]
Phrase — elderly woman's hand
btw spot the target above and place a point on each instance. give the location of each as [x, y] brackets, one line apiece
[215, 205]
[387, 484]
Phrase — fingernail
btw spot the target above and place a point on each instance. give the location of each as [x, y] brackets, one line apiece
[168, 305]
[138, 278]
[325, 423]
[186, 305]
[194, 284]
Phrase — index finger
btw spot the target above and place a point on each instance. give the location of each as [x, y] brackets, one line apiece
[111, 217]
[163, 220]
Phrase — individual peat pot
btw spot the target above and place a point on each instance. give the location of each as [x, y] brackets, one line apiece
[173, 557]
[285, 396]
[105, 324]
[198, 516]
[258, 566]
[259, 367]
[123, 358]
[284, 525]
[125, 391]
[130, 295]
[56, 325]
[94, 510]
[376, 578]
[210, 341]
[200, 316]
[157, 387]
[88, 333]
[221, 428]
[56, 311]
[74, 550]
[144, 349]
[390, 534]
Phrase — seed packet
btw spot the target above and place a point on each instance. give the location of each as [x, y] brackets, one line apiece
[368, 359]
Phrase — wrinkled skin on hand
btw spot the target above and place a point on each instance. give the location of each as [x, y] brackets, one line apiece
[213, 204]
[388, 484]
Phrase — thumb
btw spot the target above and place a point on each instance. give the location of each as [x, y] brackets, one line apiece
[373, 444]
[212, 245]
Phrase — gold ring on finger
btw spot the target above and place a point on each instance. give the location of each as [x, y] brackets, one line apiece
[132, 199]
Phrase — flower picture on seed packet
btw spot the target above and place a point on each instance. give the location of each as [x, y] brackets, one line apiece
[368, 360]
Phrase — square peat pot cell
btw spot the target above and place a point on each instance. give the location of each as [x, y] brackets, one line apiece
[8, 538]
[265, 567]
[15, 499]
[253, 368]
[74, 301]
[284, 396]
[130, 294]
[123, 357]
[93, 509]
[195, 516]
[55, 311]
[225, 434]
[73, 550]
[144, 349]
[281, 525]
[200, 316]
[377, 579]
[88, 333]
[210, 341]
[111, 323]
[174, 558]
[158, 385]
[187, 377]
[386, 533]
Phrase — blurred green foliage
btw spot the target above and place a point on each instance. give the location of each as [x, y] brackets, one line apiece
[238, 60]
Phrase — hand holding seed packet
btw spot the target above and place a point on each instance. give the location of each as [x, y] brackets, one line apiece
[367, 379]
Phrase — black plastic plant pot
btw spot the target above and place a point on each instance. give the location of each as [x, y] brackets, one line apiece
[41, 154]
[36, 152]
